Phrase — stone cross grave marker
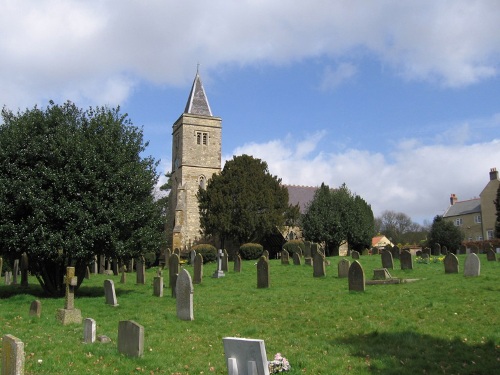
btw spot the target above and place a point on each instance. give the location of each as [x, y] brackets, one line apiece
[356, 277]
[237, 263]
[173, 271]
[297, 261]
[12, 355]
[158, 286]
[245, 356]
[130, 338]
[109, 293]
[36, 308]
[89, 330]
[285, 257]
[450, 263]
[198, 269]
[387, 261]
[184, 293]
[69, 314]
[24, 270]
[141, 271]
[472, 265]
[319, 264]
[343, 268]
[406, 260]
[263, 272]
[219, 272]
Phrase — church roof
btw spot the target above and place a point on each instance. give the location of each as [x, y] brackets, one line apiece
[197, 103]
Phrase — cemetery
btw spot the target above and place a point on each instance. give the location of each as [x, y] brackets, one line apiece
[324, 318]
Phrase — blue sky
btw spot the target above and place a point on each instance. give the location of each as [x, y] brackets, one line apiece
[399, 100]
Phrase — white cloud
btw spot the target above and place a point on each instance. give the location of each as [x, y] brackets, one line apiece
[333, 78]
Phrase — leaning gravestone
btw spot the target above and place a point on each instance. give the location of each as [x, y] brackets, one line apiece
[158, 286]
[198, 269]
[356, 277]
[263, 272]
[319, 265]
[89, 330]
[24, 270]
[343, 268]
[297, 261]
[490, 255]
[285, 257]
[406, 260]
[12, 355]
[237, 263]
[472, 265]
[36, 308]
[184, 294]
[109, 293]
[245, 356]
[450, 262]
[130, 338]
[387, 261]
[69, 314]
[141, 271]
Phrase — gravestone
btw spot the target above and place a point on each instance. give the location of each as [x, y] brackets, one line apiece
[15, 271]
[245, 356]
[87, 273]
[406, 260]
[69, 314]
[184, 294]
[237, 263]
[491, 256]
[381, 274]
[158, 286]
[123, 278]
[307, 249]
[218, 273]
[94, 265]
[163, 260]
[462, 249]
[319, 265]
[130, 338]
[387, 261]
[314, 249]
[308, 261]
[192, 256]
[89, 330]
[395, 250]
[263, 272]
[141, 271]
[1, 265]
[285, 257]
[36, 308]
[472, 265]
[354, 254]
[12, 355]
[343, 268]
[131, 266]
[224, 265]
[356, 277]
[450, 262]
[8, 277]
[177, 251]
[114, 267]
[109, 293]
[266, 254]
[24, 270]
[375, 251]
[427, 251]
[436, 249]
[444, 250]
[198, 269]
[102, 263]
[296, 259]
[173, 270]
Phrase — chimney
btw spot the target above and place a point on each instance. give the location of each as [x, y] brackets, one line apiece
[453, 199]
[493, 174]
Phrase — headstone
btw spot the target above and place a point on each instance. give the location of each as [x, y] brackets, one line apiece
[177, 251]
[381, 274]
[224, 265]
[184, 294]
[158, 286]
[245, 356]
[69, 314]
[131, 266]
[297, 261]
[8, 277]
[266, 254]
[308, 261]
[102, 264]
[141, 271]
[1, 265]
[114, 267]
[444, 250]
[427, 251]
[406, 260]
[263, 272]
[24, 270]
[12, 355]
[472, 265]
[319, 265]
[436, 249]
[192, 256]
[89, 330]
[314, 249]
[219, 272]
[173, 270]
[354, 254]
[490, 255]
[307, 249]
[94, 265]
[343, 268]
[450, 262]
[109, 293]
[123, 278]
[15, 271]
[237, 263]
[130, 338]
[356, 277]
[285, 257]
[36, 308]
[395, 252]
[87, 273]
[198, 269]
[463, 249]
[387, 261]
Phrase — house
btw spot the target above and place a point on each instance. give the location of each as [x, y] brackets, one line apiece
[476, 217]
[380, 242]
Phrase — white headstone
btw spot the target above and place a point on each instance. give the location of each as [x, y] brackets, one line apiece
[89, 330]
[245, 356]
[184, 294]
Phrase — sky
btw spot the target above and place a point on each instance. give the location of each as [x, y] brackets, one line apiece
[398, 100]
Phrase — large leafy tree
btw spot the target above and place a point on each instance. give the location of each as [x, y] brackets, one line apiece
[445, 233]
[244, 202]
[73, 185]
[362, 229]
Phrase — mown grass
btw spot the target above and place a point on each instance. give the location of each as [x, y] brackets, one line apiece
[441, 324]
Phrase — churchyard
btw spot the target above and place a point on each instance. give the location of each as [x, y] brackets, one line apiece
[442, 323]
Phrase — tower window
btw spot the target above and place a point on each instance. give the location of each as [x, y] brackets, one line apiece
[202, 138]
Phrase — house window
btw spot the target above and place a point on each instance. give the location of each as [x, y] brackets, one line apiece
[489, 234]
[202, 138]
[477, 219]
[458, 221]
[203, 182]
[479, 238]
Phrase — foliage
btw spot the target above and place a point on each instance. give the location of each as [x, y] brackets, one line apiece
[244, 202]
[445, 233]
[73, 185]
[251, 251]
[361, 231]
[207, 251]
[399, 228]
[294, 246]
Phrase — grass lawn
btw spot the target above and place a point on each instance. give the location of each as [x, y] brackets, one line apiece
[441, 324]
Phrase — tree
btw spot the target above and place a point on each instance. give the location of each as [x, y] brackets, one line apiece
[445, 233]
[73, 185]
[360, 234]
[244, 202]
[399, 228]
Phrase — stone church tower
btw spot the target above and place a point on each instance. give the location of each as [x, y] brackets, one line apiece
[196, 156]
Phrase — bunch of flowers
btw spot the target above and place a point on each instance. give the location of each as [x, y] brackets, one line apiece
[279, 364]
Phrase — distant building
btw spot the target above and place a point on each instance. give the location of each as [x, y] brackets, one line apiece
[380, 242]
[476, 217]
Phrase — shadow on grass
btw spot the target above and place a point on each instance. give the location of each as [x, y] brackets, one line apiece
[8, 291]
[412, 353]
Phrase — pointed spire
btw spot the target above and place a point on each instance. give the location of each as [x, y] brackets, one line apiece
[197, 103]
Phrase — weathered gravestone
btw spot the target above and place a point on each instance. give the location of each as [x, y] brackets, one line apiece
[356, 277]
[141, 271]
[12, 355]
[69, 314]
[307, 249]
[8, 277]
[224, 265]
[163, 260]
[123, 278]
[36, 308]
[263, 272]
[184, 294]
[396, 251]
[24, 270]
[387, 261]
[158, 286]
[114, 267]
[436, 249]
[109, 293]
[266, 254]
[297, 261]
[343, 268]
[1, 265]
[130, 338]
[89, 330]
[245, 356]
[444, 250]
[381, 274]
[102, 264]
[472, 265]
[285, 257]
[15, 271]
[450, 262]
[192, 256]
[426, 251]
[94, 265]
[177, 251]
[319, 265]
[406, 260]
[218, 273]
[198, 269]
[173, 272]
[237, 263]
[354, 254]
[490, 255]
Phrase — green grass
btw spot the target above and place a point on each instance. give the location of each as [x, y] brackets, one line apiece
[441, 324]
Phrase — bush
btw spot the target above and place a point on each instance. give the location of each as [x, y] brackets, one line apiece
[250, 251]
[295, 246]
[207, 251]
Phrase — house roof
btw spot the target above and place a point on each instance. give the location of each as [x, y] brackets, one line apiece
[376, 240]
[464, 207]
[197, 103]
[300, 195]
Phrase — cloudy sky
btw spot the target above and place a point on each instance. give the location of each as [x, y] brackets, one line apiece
[399, 100]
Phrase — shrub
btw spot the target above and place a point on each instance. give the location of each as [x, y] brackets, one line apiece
[295, 246]
[250, 251]
[207, 251]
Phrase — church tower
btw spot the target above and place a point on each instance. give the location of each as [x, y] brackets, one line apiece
[196, 156]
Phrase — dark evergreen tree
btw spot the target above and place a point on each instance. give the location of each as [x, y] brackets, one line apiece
[497, 222]
[445, 233]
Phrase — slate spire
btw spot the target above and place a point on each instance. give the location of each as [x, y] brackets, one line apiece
[197, 103]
